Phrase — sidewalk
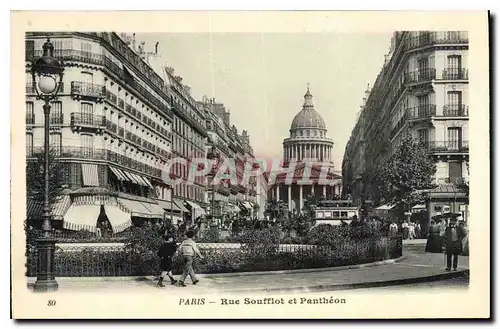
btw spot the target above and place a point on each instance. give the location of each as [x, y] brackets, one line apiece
[414, 268]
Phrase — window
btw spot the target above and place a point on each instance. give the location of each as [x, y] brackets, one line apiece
[423, 105]
[423, 68]
[29, 145]
[87, 77]
[423, 136]
[455, 172]
[86, 47]
[86, 112]
[87, 142]
[30, 49]
[56, 116]
[55, 142]
[30, 115]
[454, 68]
[454, 138]
[454, 105]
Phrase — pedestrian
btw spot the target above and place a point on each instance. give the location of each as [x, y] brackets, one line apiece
[406, 229]
[393, 228]
[418, 231]
[166, 252]
[189, 250]
[453, 238]
[433, 244]
[411, 231]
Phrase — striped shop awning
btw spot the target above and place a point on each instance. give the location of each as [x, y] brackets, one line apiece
[118, 173]
[59, 208]
[119, 219]
[82, 217]
[140, 180]
[138, 209]
[130, 177]
[90, 174]
[147, 181]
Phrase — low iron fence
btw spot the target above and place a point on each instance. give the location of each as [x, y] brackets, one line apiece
[117, 260]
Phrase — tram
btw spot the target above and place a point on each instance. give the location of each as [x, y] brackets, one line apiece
[335, 212]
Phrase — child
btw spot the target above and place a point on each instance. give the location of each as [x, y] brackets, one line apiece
[188, 250]
[166, 252]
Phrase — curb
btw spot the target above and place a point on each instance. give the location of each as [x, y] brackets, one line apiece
[348, 286]
[235, 274]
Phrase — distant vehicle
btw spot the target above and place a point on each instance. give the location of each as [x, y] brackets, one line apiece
[334, 212]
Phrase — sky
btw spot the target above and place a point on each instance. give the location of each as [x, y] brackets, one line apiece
[262, 78]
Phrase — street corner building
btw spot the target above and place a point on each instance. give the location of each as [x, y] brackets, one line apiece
[308, 169]
[120, 116]
[421, 91]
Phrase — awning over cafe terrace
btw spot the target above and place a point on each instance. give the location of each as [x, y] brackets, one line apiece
[84, 217]
[59, 208]
[141, 209]
[128, 176]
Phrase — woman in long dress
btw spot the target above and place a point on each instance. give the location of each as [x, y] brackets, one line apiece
[434, 238]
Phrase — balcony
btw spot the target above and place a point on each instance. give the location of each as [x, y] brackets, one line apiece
[111, 97]
[420, 76]
[67, 55]
[112, 127]
[421, 112]
[30, 119]
[456, 110]
[56, 119]
[84, 90]
[455, 180]
[75, 152]
[436, 38]
[81, 120]
[455, 74]
[448, 146]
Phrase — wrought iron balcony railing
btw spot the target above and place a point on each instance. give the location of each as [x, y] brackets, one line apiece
[85, 89]
[435, 38]
[455, 110]
[455, 74]
[422, 75]
[30, 119]
[87, 120]
[421, 111]
[459, 146]
[111, 97]
[88, 153]
[56, 119]
[110, 126]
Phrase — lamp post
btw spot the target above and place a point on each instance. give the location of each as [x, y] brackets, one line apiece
[47, 74]
[213, 155]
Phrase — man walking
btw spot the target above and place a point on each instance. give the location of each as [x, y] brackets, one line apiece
[189, 250]
[453, 236]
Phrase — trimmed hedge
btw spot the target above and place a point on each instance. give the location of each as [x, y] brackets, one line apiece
[261, 250]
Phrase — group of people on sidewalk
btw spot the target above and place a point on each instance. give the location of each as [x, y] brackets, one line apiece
[187, 250]
[445, 231]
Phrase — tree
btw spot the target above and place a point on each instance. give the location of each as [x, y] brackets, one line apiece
[35, 177]
[406, 173]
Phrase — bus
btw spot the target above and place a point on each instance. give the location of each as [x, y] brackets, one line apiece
[334, 212]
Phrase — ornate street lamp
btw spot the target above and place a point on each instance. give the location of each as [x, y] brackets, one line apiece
[47, 75]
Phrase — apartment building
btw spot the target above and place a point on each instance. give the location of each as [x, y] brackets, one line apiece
[228, 198]
[112, 128]
[421, 90]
